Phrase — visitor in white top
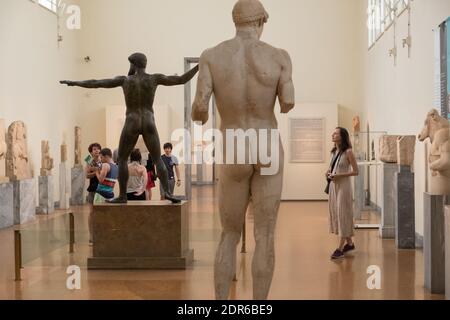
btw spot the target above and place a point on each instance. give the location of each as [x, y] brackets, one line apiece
[137, 180]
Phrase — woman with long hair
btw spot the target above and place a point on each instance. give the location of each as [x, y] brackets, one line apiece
[343, 167]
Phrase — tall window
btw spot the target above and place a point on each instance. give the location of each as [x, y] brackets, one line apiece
[381, 15]
[51, 5]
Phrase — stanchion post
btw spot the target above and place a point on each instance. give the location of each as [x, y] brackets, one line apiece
[17, 255]
[72, 232]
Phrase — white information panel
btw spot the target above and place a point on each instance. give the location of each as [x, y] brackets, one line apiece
[307, 140]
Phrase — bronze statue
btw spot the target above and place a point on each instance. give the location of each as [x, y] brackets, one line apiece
[139, 89]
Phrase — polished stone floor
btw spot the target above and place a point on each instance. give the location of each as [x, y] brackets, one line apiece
[303, 268]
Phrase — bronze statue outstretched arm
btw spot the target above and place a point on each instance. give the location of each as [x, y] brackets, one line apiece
[94, 84]
[176, 80]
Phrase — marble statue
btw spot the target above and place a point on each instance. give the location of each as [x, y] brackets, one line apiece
[46, 160]
[437, 129]
[17, 162]
[3, 149]
[139, 89]
[406, 147]
[246, 76]
[78, 150]
[388, 148]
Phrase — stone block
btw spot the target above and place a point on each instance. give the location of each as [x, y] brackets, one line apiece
[24, 201]
[141, 235]
[6, 205]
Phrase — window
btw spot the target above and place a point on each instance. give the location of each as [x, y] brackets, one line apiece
[51, 5]
[381, 15]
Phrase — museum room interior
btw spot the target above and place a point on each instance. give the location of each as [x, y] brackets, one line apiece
[359, 93]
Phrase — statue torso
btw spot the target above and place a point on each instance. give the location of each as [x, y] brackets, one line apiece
[139, 91]
[245, 73]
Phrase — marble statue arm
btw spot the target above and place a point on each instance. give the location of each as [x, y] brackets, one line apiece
[286, 91]
[443, 163]
[94, 84]
[204, 91]
[176, 80]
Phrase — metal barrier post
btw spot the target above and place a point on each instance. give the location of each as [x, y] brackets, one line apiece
[17, 255]
[72, 232]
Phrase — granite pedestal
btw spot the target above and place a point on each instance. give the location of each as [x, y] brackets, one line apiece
[24, 201]
[64, 187]
[434, 243]
[359, 193]
[388, 213]
[77, 191]
[405, 210]
[6, 205]
[141, 235]
[447, 252]
[46, 195]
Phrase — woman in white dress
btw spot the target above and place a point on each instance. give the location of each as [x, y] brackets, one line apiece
[343, 167]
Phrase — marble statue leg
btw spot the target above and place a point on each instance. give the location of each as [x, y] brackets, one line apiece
[77, 190]
[24, 202]
[6, 205]
[405, 217]
[387, 229]
[232, 208]
[359, 193]
[433, 243]
[447, 252]
[46, 191]
[266, 194]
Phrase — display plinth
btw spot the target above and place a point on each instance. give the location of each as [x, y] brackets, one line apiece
[141, 235]
[6, 205]
[388, 213]
[405, 210]
[359, 193]
[46, 199]
[24, 201]
[434, 243]
[77, 190]
[447, 252]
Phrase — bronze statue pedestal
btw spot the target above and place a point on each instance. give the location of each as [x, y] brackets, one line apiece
[141, 235]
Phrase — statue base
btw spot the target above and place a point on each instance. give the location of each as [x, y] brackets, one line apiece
[6, 205]
[77, 191]
[405, 210]
[46, 200]
[388, 214]
[141, 235]
[24, 201]
[64, 193]
[434, 242]
[447, 253]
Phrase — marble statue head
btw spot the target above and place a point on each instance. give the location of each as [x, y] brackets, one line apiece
[433, 123]
[248, 13]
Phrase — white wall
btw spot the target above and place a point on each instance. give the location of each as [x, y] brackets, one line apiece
[397, 99]
[306, 181]
[31, 65]
[319, 34]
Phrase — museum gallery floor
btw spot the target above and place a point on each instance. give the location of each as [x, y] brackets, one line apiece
[303, 268]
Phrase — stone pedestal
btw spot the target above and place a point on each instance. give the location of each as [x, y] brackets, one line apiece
[359, 193]
[447, 252]
[78, 180]
[405, 210]
[64, 187]
[24, 201]
[388, 212]
[46, 195]
[141, 235]
[6, 205]
[433, 243]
